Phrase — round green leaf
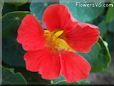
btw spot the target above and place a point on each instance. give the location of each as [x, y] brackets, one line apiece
[37, 8]
[16, 2]
[99, 56]
[110, 14]
[7, 8]
[60, 80]
[86, 13]
[12, 51]
[103, 28]
[9, 77]
[111, 26]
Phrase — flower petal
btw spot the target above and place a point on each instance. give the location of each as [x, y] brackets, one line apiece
[82, 37]
[44, 61]
[74, 67]
[30, 33]
[56, 16]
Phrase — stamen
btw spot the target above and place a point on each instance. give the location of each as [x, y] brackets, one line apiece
[54, 42]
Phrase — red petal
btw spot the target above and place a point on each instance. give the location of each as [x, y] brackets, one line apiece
[74, 67]
[82, 37]
[43, 61]
[56, 16]
[30, 33]
[70, 23]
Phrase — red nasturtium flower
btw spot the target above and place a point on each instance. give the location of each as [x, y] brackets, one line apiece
[54, 51]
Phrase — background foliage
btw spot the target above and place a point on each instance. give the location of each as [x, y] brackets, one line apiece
[13, 69]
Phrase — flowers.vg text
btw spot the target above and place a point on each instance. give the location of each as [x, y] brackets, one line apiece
[100, 4]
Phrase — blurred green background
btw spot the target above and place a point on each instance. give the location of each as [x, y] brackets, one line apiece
[101, 56]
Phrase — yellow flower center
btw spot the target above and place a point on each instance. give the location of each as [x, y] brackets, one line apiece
[55, 41]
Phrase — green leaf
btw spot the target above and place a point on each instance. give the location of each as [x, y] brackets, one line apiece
[33, 78]
[37, 8]
[7, 8]
[110, 14]
[83, 14]
[103, 28]
[59, 81]
[9, 77]
[110, 40]
[99, 56]
[111, 26]
[16, 2]
[12, 51]
[83, 82]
